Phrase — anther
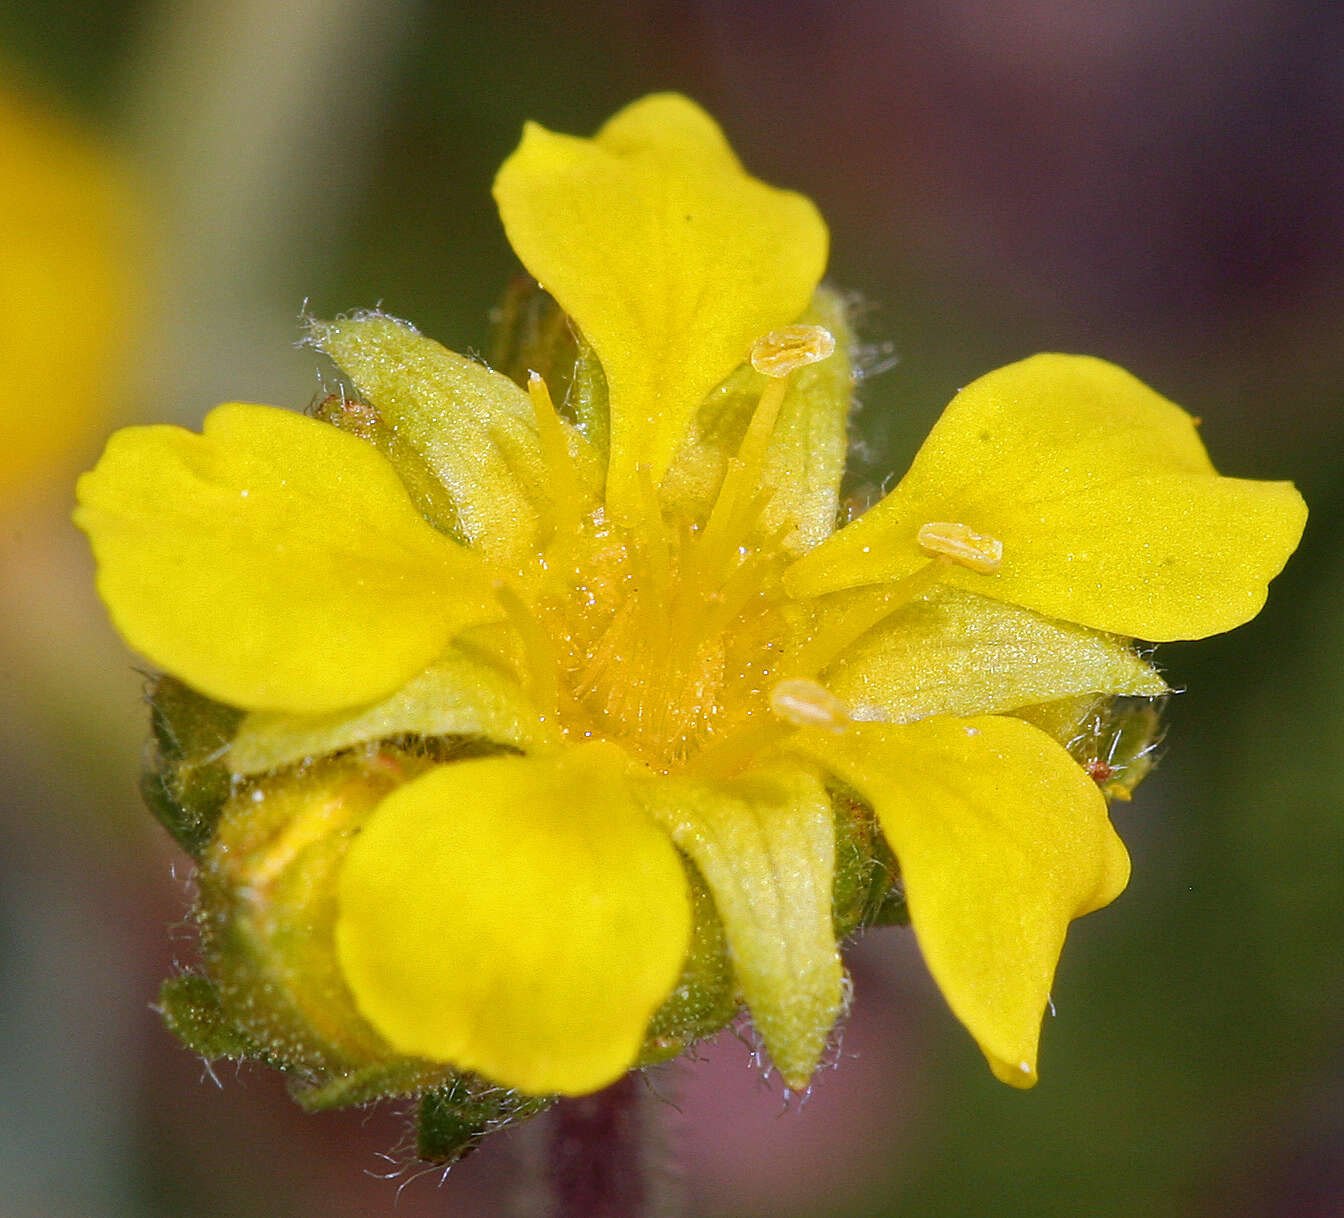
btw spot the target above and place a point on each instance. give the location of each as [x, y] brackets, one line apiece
[805, 703]
[787, 349]
[962, 544]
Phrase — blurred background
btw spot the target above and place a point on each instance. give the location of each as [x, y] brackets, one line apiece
[1157, 183]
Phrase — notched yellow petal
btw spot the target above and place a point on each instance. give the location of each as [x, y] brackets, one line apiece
[1100, 490]
[669, 257]
[674, 126]
[273, 562]
[520, 917]
[1002, 840]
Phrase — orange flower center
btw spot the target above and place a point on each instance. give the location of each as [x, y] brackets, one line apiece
[667, 635]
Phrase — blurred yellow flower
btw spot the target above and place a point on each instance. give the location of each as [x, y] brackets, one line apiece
[641, 597]
[67, 288]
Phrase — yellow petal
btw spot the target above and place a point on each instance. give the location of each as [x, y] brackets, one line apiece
[519, 917]
[955, 653]
[670, 258]
[459, 695]
[273, 562]
[1100, 491]
[1002, 840]
[765, 844]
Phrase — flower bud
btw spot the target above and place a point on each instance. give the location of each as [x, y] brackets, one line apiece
[273, 989]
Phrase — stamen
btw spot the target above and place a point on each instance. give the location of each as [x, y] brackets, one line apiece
[728, 601]
[730, 523]
[962, 545]
[794, 703]
[736, 751]
[652, 555]
[805, 703]
[564, 487]
[541, 677]
[777, 355]
[835, 633]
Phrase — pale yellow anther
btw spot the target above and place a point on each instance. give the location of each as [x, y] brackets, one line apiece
[787, 349]
[962, 545]
[805, 703]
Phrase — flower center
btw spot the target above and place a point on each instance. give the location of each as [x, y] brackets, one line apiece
[671, 635]
[666, 634]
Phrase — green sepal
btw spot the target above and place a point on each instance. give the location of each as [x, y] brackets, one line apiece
[185, 782]
[952, 652]
[190, 1007]
[471, 429]
[430, 496]
[764, 843]
[1115, 740]
[267, 914]
[393, 1078]
[1064, 718]
[462, 705]
[452, 1119]
[1120, 747]
[867, 887]
[705, 998]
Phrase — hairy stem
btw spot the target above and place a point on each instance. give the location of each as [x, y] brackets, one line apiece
[605, 1156]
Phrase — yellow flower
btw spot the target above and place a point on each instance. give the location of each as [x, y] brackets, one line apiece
[640, 600]
[67, 290]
